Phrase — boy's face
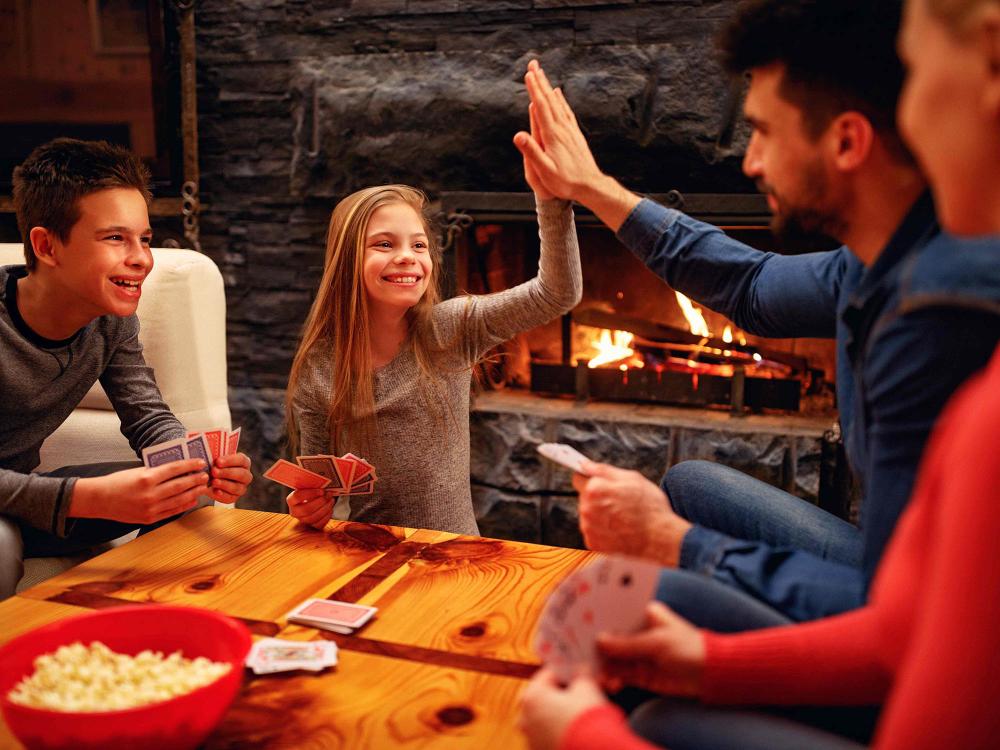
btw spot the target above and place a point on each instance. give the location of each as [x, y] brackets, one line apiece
[789, 166]
[106, 257]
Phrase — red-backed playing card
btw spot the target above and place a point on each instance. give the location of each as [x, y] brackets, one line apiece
[286, 473]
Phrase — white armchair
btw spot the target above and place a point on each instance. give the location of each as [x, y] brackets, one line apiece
[182, 314]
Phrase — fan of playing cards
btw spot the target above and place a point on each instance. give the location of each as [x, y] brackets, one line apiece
[607, 596]
[339, 475]
[207, 445]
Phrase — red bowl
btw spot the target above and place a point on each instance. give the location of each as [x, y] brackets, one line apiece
[181, 722]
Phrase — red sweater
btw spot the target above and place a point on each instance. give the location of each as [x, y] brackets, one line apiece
[931, 629]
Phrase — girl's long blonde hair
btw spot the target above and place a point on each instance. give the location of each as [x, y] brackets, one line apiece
[339, 315]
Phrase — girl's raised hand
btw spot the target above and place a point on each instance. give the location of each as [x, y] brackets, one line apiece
[311, 507]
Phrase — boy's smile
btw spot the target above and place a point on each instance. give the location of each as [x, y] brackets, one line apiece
[97, 271]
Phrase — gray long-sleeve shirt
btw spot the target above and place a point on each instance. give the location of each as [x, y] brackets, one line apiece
[421, 452]
[42, 381]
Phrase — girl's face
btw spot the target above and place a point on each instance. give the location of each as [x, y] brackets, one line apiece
[397, 263]
[945, 116]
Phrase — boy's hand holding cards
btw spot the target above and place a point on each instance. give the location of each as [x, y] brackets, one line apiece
[270, 655]
[338, 475]
[607, 596]
[326, 614]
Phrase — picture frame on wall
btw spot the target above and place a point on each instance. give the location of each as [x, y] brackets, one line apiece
[119, 27]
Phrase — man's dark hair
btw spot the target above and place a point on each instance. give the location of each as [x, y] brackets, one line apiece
[50, 183]
[838, 55]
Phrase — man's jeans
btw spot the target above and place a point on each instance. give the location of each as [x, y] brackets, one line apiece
[19, 541]
[726, 504]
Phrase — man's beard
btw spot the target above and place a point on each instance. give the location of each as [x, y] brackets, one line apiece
[812, 225]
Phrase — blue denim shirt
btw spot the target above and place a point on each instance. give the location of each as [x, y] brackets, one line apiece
[909, 330]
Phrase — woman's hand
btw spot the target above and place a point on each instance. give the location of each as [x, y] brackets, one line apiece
[667, 656]
[547, 709]
[312, 507]
[530, 173]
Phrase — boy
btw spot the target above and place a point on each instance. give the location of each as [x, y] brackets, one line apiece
[67, 319]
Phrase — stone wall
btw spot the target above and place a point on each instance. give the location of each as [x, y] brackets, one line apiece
[303, 101]
[519, 495]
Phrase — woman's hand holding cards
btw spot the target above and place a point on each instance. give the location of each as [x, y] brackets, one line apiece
[667, 656]
[548, 708]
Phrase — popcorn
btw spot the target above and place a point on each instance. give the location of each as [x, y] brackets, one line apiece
[95, 678]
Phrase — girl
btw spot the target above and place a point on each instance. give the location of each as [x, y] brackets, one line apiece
[926, 643]
[384, 367]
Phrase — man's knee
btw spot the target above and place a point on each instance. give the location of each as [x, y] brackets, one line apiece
[685, 483]
[11, 557]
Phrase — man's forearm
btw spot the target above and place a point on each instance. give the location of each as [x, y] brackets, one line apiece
[610, 201]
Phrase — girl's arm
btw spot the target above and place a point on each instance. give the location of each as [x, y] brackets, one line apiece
[495, 318]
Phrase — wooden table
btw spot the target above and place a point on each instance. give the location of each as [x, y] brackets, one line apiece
[441, 665]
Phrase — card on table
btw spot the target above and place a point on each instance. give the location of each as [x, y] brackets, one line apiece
[293, 476]
[270, 655]
[564, 455]
[327, 614]
[607, 596]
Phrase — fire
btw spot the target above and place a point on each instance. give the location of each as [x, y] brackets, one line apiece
[696, 321]
[614, 346]
[727, 335]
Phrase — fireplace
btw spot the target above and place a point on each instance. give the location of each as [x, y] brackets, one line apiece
[631, 338]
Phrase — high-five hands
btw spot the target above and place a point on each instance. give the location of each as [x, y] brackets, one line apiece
[557, 155]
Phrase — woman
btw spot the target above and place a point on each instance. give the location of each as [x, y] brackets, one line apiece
[927, 643]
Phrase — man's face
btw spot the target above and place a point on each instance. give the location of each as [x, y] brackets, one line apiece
[787, 164]
[106, 257]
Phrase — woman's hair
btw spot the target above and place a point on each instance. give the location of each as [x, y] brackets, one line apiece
[338, 319]
[955, 13]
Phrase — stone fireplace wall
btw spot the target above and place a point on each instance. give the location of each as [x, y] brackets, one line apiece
[303, 101]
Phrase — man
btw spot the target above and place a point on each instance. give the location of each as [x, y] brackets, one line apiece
[67, 319]
[825, 151]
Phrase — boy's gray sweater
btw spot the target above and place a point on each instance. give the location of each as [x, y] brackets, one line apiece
[42, 381]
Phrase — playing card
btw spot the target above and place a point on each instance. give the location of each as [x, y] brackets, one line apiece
[365, 487]
[198, 447]
[345, 467]
[609, 595]
[165, 453]
[564, 455]
[269, 655]
[233, 441]
[286, 473]
[362, 468]
[324, 466]
[333, 615]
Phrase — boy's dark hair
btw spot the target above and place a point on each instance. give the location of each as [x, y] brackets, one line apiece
[839, 55]
[50, 183]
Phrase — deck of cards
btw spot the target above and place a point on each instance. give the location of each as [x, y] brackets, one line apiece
[327, 614]
[208, 446]
[270, 655]
[339, 475]
[607, 596]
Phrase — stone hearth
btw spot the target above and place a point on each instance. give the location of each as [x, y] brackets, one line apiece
[519, 495]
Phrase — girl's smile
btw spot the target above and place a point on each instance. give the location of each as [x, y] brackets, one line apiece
[397, 262]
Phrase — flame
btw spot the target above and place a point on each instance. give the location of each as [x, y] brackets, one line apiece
[696, 321]
[613, 346]
[727, 335]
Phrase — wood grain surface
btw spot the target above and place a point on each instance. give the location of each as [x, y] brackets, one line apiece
[374, 702]
[441, 665]
[248, 564]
